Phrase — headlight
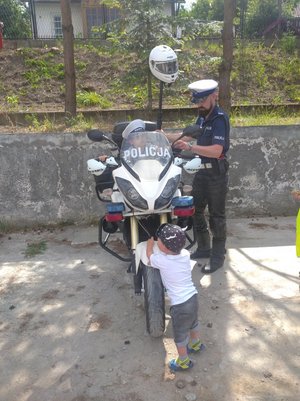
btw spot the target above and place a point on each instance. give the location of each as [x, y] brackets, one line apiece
[131, 194]
[168, 192]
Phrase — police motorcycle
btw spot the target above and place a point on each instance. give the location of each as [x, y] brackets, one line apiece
[142, 188]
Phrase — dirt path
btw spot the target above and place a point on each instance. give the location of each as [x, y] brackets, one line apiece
[72, 330]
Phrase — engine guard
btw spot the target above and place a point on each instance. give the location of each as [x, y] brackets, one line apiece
[102, 239]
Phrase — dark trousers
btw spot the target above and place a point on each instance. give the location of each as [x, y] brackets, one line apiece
[210, 190]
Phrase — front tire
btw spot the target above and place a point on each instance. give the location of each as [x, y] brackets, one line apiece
[154, 295]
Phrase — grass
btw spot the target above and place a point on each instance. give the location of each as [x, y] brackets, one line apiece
[267, 118]
[35, 248]
[255, 78]
[47, 124]
[87, 99]
[5, 227]
[82, 124]
[12, 100]
[254, 75]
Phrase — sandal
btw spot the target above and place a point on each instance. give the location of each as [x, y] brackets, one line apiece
[176, 365]
[196, 347]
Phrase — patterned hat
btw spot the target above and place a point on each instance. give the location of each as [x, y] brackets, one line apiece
[135, 126]
[172, 236]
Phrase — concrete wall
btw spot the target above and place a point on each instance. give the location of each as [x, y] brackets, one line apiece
[44, 178]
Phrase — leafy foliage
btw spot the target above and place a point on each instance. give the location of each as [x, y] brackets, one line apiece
[44, 67]
[12, 100]
[144, 25]
[208, 10]
[256, 76]
[16, 19]
[288, 43]
[85, 98]
[259, 15]
[254, 15]
[31, 77]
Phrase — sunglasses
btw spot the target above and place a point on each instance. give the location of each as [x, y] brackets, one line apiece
[200, 100]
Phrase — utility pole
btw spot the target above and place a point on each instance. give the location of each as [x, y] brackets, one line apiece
[68, 41]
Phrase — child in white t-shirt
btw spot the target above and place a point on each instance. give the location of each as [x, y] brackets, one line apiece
[174, 264]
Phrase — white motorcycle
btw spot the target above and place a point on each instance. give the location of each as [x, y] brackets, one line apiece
[142, 187]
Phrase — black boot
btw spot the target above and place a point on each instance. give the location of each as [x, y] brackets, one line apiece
[200, 254]
[217, 257]
[203, 249]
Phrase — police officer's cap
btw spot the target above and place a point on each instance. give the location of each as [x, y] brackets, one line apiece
[202, 88]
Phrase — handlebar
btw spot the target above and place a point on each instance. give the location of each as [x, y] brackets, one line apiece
[194, 130]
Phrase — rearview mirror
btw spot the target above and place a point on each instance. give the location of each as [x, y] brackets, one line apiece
[96, 135]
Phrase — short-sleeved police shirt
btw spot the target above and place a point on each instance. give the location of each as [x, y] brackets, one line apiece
[215, 131]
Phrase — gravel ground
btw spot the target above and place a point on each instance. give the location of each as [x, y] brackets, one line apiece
[71, 328]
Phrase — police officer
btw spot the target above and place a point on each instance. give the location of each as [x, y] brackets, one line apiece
[210, 183]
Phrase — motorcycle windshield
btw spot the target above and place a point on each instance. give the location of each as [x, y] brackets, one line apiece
[147, 153]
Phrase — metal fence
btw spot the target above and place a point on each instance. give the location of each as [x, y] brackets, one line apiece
[41, 19]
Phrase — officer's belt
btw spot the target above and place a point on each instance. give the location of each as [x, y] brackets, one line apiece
[205, 165]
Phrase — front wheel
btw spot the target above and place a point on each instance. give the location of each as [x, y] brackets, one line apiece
[154, 295]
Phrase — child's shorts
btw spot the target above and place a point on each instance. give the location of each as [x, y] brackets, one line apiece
[184, 318]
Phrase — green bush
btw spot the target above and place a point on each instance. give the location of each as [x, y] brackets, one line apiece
[86, 99]
[288, 43]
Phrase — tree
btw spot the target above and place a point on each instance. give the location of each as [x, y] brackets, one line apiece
[226, 65]
[68, 38]
[255, 15]
[143, 26]
[220, 10]
[241, 10]
[217, 10]
[200, 10]
[16, 19]
[208, 10]
[260, 14]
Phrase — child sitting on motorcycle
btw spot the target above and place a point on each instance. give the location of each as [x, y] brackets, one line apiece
[174, 264]
[133, 134]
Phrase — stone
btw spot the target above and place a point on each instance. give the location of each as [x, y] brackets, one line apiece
[180, 383]
[190, 397]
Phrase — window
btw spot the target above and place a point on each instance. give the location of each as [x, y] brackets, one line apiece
[97, 16]
[57, 26]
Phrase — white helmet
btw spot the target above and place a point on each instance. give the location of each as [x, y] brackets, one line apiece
[163, 63]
